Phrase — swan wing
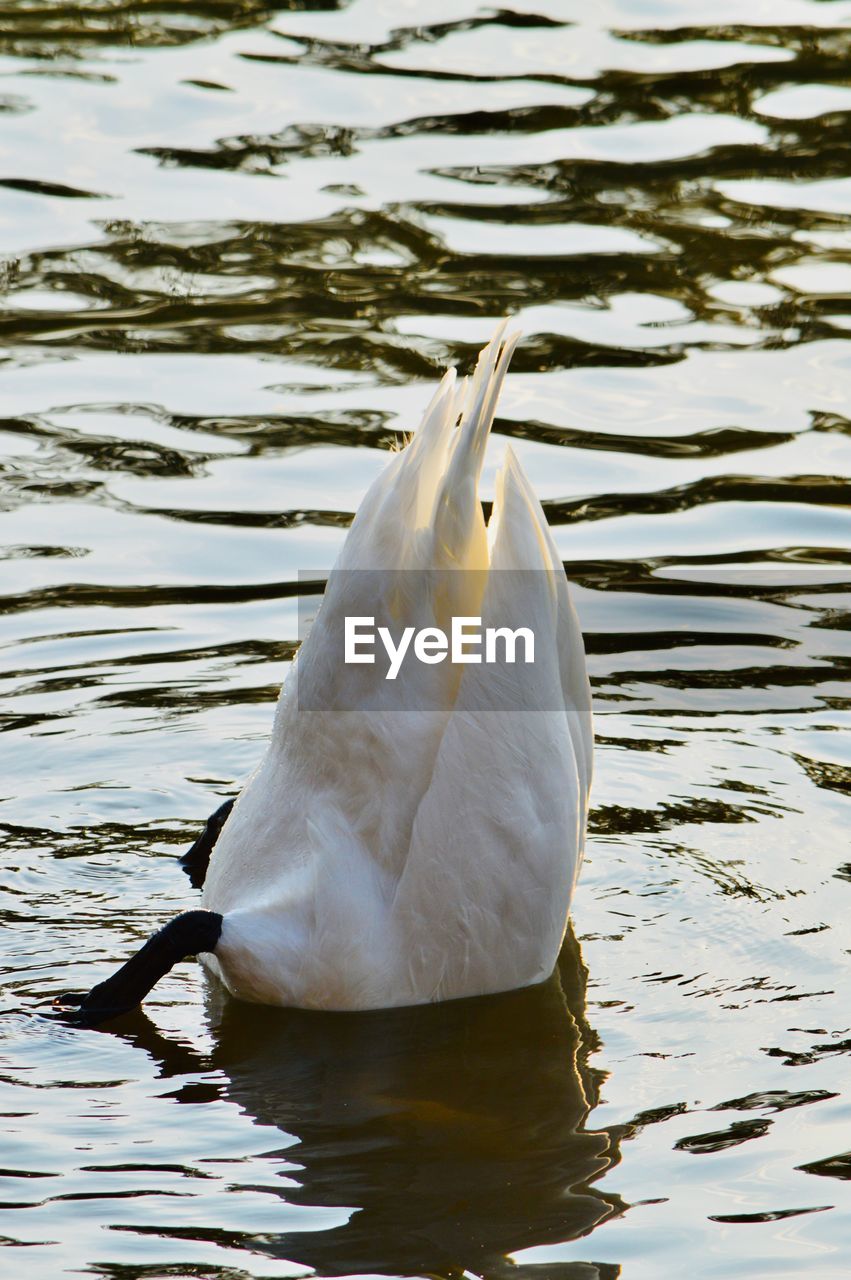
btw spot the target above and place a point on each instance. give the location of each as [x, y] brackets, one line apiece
[346, 740]
[495, 849]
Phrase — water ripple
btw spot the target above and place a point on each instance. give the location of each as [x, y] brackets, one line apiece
[239, 240]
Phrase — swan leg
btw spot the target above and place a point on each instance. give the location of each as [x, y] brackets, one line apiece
[196, 859]
[185, 935]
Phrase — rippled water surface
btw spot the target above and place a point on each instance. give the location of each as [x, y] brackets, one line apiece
[238, 242]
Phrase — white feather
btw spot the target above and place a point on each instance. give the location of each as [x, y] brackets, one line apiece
[385, 854]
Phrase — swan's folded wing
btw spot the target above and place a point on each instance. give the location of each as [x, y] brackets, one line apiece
[569, 643]
[345, 738]
[415, 555]
[498, 835]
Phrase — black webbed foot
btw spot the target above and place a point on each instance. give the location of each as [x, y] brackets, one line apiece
[185, 935]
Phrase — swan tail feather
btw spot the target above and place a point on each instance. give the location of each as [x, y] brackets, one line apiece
[459, 531]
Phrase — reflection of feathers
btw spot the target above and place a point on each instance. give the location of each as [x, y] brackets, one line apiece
[456, 1133]
[427, 1141]
[381, 856]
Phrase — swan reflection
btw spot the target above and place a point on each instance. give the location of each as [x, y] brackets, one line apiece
[450, 1135]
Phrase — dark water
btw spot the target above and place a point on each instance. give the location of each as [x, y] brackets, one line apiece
[237, 243]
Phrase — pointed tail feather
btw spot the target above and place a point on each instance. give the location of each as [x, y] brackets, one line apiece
[459, 531]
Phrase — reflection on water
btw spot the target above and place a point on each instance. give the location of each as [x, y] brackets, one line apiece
[238, 240]
[436, 1139]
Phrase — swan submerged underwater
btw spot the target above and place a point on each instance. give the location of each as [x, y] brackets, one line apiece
[415, 838]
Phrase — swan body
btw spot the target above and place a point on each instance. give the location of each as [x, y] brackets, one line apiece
[418, 839]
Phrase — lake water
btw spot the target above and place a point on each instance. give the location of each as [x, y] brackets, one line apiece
[238, 244]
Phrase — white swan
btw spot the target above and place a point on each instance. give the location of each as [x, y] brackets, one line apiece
[416, 839]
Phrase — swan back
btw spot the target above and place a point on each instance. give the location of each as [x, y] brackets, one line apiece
[418, 839]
